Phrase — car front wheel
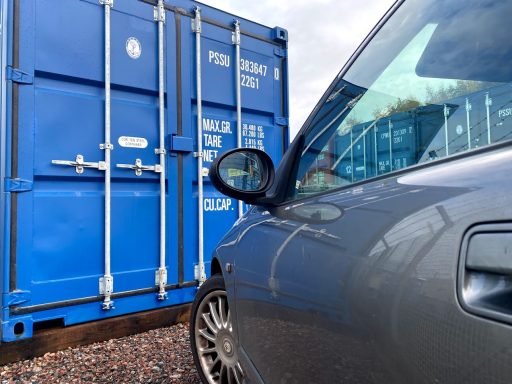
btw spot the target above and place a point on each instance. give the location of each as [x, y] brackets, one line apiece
[211, 335]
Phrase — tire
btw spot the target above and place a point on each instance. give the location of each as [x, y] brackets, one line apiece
[211, 335]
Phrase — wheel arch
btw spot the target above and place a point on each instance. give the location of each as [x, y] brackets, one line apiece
[215, 268]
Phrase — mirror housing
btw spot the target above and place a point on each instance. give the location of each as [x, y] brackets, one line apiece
[280, 183]
[244, 174]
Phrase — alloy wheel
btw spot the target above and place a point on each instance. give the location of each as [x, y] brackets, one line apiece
[215, 343]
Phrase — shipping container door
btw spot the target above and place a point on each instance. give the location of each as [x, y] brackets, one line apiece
[59, 232]
[55, 171]
[263, 108]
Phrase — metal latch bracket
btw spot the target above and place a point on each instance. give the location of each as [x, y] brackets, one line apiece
[110, 3]
[161, 276]
[236, 34]
[106, 285]
[159, 13]
[107, 146]
[196, 22]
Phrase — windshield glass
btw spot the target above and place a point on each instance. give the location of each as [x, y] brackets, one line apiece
[434, 81]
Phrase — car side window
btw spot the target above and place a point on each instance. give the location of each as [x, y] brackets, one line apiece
[411, 111]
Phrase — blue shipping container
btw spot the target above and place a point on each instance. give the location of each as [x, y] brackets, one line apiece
[86, 232]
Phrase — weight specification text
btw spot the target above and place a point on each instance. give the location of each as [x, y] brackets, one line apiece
[215, 131]
[253, 136]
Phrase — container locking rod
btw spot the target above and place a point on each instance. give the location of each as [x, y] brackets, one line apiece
[197, 30]
[351, 153]
[390, 132]
[468, 121]
[446, 112]
[236, 42]
[107, 281]
[161, 273]
[488, 104]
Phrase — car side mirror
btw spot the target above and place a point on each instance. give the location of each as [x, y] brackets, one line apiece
[243, 173]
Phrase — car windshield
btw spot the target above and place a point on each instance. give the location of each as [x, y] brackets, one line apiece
[434, 81]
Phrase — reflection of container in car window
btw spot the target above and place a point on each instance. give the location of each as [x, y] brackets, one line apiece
[478, 119]
[381, 146]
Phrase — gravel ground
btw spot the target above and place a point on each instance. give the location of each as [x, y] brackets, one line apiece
[158, 356]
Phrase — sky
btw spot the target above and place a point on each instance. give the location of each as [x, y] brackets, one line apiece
[322, 36]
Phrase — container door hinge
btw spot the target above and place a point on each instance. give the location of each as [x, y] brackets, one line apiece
[18, 76]
[279, 52]
[17, 297]
[17, 185]
[283, 121]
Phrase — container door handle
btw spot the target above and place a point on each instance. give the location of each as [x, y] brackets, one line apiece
[80, 164]
[138, 167]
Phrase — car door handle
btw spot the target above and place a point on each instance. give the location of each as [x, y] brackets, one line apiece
[490, 252]
[484, 284]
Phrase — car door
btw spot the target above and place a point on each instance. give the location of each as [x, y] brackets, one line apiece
[370, 296]
[386, 262]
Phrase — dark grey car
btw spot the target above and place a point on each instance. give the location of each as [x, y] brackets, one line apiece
[381, 249]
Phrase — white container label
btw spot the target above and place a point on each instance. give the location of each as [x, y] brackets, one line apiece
[133, 48]
[132, 142]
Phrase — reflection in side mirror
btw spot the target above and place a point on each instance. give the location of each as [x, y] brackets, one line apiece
[243, 173]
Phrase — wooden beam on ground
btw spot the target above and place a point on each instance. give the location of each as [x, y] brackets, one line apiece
[52, 340]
